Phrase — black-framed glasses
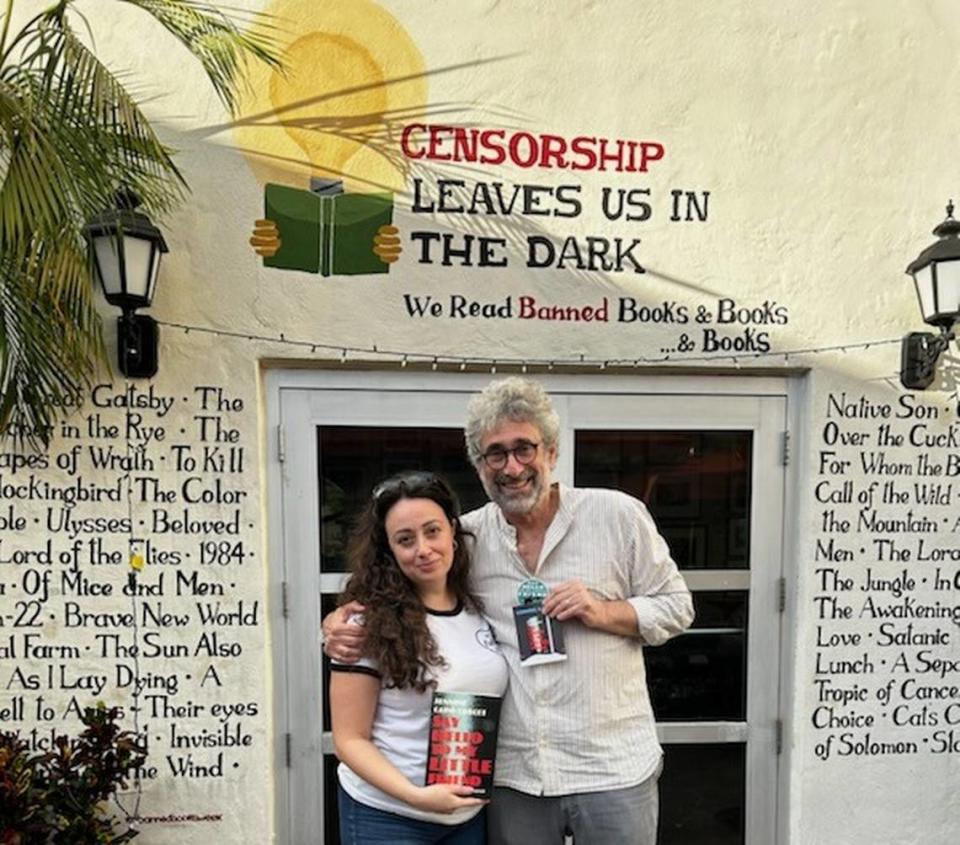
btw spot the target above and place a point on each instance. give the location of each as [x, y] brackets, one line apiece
[497, 457]
[405, 482]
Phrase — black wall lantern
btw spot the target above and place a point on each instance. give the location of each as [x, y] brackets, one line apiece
[125, 248]
[936, 276]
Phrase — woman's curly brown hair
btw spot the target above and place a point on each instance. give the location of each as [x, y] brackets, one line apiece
[395, 618]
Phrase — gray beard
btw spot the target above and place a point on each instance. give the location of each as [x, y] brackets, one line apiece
[513, 504]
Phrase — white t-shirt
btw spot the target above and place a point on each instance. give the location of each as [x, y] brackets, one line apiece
[401, 725]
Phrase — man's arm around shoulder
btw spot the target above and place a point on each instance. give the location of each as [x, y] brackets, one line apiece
[342, 638]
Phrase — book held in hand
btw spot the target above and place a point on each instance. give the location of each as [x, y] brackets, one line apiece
[463, 740]
[539, 637]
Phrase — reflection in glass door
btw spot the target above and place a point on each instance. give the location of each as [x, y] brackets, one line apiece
[697, 486]
[708, 488]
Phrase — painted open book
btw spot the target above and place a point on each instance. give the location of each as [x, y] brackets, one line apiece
[325, 230]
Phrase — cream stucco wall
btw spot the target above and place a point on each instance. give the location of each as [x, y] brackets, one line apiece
[824, 134]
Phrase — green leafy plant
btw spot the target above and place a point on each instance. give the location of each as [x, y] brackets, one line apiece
[72, 135]
[60, 797]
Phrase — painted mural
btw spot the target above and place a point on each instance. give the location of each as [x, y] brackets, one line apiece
[361, 166]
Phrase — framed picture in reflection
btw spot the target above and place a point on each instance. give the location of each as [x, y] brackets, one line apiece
[738, 540]
[739, 490]
[673, 495]
[688, 546]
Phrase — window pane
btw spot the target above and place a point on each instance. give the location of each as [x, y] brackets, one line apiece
[701, 674]
[331, 817]
[702, 793]
[696, 484]
[353, 459]
[328, 603]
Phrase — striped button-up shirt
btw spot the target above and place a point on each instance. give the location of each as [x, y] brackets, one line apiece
[584, 724]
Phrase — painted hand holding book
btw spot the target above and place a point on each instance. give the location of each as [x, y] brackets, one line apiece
[463, 740]
[325, 230]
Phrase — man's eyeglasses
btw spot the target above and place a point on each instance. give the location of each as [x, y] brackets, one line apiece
[497, 457]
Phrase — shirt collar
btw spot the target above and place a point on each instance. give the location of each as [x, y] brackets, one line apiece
[557, 528]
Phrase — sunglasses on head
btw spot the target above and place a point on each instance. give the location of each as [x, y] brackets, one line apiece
[405, 482]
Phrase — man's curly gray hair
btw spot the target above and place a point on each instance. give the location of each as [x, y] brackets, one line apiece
[515, 399]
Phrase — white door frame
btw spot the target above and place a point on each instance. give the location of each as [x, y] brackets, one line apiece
[297, 401]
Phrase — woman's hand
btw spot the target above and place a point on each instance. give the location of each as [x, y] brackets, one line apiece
[445, 798]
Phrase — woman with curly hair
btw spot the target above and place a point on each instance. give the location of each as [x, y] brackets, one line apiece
[410, 569]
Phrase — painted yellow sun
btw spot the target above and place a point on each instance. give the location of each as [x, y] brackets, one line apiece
[352, 77]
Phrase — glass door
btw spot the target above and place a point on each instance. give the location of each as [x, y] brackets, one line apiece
[706, 465]
[335, 436]
[709, 470]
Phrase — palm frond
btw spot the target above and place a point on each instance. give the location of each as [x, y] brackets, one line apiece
[81, 110]
[71, 135]
[29, 197]
[215, 39]
[49, 346]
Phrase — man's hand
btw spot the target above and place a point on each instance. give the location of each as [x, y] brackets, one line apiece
[572, 600]
[344, 640]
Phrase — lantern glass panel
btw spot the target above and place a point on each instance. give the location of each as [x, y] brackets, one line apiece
[138, 254]
[923, 278]
[108, 265]
[154, 271]
[948, 287]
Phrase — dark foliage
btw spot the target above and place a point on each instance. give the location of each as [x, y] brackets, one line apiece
[59, 797]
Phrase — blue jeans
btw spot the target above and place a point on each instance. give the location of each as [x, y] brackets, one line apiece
[360, 825]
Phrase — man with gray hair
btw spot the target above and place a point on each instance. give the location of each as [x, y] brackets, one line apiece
[577, 750]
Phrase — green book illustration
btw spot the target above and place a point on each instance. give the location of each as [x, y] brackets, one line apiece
[325, 230]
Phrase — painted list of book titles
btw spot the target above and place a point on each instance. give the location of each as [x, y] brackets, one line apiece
[129, 575]
[886, 565]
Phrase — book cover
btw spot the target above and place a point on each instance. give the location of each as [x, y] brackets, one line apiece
[325, 230]
[297, 215]
[539, 638]
[348, 236]
[463, 740]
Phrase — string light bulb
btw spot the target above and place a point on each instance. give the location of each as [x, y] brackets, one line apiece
[524, 364]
